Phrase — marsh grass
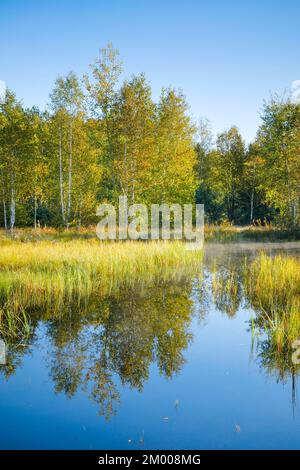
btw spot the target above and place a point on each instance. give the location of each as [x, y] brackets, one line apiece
[222, 233]
[50, 272]
[228, 233]
[14, 324]
[272, 286]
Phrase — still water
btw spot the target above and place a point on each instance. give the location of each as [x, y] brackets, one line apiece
[168, 367]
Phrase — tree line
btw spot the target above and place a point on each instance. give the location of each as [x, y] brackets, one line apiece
[99, 139]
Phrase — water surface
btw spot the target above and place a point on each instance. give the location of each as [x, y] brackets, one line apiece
[168, 367]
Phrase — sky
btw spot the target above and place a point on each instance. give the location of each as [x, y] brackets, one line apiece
[226, 56]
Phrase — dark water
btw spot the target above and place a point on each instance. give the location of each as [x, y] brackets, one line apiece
[169, 367]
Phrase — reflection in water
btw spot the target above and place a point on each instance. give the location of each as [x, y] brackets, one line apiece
[117, 338]
[267, 284]
[120, 336]
[275, 362]
[16, 334]
[226, 289]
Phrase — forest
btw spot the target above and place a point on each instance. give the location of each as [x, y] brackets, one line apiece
[99, 139]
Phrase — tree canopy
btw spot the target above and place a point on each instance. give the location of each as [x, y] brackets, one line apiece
[101, 138]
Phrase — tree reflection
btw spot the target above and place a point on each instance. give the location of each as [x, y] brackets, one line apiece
[227, 287]
[116, 337]
[17, 332]
[275, 362]
[271, 324]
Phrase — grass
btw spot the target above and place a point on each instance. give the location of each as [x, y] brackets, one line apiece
[227, 233]
[50, 272]
[273, 287]
[47, 267]
[226, 289]
[222, 233]
[14, 324]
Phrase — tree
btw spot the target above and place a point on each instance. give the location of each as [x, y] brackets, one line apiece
[252, 195]
[279, 146]
[101, 88]
[67, 105]
[134, 124]
[173, 176]
[227, 170]
[14, 153]
[205, 193]
[36, 191]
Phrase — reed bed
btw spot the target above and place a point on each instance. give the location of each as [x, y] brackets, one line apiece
[273, 287]
[222, 233]
[261, 232]
[50, 272]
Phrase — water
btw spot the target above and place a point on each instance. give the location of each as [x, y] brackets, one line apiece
[171, 367]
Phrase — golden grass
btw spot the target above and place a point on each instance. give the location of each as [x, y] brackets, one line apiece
[38, 273]
[273, 287]
[274, 282]
[221, 233]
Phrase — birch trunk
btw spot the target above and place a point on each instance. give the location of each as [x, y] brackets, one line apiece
[62, 205]
[4, 210]
[80, 211]
[12, 205]
[251, 206]
[35, 211]
[4, 204]
[289, 188]
[70, 174]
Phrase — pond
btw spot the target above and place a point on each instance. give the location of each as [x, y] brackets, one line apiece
[172, 366]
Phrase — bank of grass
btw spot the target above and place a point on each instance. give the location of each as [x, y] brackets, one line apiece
[49, 272]
[222, 233]
[273, 288]
[227, 233]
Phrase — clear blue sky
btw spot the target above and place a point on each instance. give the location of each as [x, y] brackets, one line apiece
[227, 56]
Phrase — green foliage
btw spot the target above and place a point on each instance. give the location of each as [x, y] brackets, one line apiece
[278, 148]
[96, 143]
[102, 139]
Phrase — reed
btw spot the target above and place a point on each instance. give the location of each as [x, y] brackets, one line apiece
[222, 233]
[51, 272]
[272, 286]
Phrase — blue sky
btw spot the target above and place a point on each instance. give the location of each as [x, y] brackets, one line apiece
[227, 56]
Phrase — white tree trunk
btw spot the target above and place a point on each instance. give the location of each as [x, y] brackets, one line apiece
[70, 174]
[35, 211]
[4, 205]
[4, 212]
[12, 205]
[62, 204]
[251, 206]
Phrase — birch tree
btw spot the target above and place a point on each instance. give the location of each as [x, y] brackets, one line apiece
[101, 86]
[14, 149]
[174, 176]
[67, 105]
[227, 170]
[279, 144]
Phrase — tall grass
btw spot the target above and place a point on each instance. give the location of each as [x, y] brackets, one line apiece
[273, 287]
[51, 272]
[14, 324]
[228, 233]
[222, 233]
